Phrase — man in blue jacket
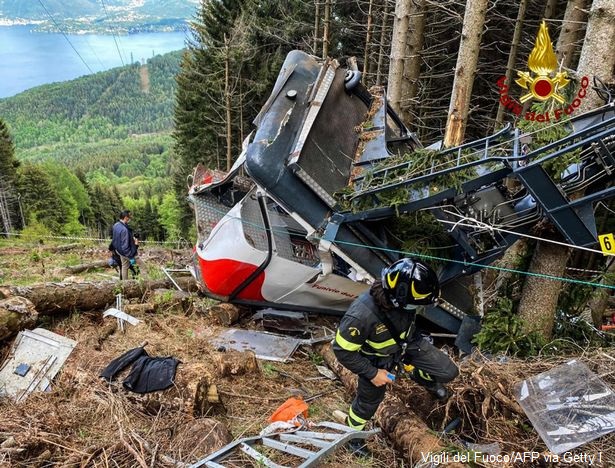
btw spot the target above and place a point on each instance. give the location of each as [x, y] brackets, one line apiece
[124, 243]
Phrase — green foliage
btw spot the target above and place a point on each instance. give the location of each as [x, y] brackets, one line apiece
[120, 16]
[502, 332]
[544, 134]
[421, 233]
[316, 358]
[8, 178]
[113, 104]
[34, 231]
[269, 370]
[8, 162]
[572, 331]
[101, 126]
[574, 297]
[41, 199]
[412, 164]
[253, 38]
[170, 216]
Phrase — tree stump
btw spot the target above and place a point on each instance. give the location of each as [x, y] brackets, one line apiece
[224, 314]
[233, 363]
[206, 399]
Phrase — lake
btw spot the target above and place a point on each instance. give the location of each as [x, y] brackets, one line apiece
[29, 59]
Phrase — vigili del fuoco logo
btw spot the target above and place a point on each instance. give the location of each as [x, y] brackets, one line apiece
[544, 82]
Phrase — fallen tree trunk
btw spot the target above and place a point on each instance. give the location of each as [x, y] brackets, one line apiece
[407, 432]
[86, 267]
[51, 298]
[139, 309]
[62, 248]
[16, 313]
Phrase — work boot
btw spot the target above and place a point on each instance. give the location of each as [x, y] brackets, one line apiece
[438, 390]
[358, 448]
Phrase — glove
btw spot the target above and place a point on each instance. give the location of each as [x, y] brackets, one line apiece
[133, 261]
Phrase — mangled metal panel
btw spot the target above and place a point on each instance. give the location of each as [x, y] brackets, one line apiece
[266, 346]
[34, 360]
[323, 154]
[285, 155]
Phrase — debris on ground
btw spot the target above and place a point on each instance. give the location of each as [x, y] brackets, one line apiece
[300, 447]
[83, 421]
[35, 358]
[285, 321]
[265, 345]
[120, 315]
[568, 405]
[147, 374]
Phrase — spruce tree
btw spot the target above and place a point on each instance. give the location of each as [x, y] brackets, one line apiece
[228, 70]
[8, 162]
[41, 201]
[9, 219]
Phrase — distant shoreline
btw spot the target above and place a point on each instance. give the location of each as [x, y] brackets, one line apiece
[85, 27]
[18, 22]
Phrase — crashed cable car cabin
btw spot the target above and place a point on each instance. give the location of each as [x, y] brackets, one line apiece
[272, 233]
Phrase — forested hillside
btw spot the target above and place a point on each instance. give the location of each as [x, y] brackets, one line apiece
[90, 147]
[475, 272]
[134, 99]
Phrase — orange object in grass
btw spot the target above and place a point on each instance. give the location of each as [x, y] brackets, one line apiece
[289, 410]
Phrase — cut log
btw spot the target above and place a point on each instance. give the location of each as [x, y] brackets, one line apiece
[16, 313]
[73, 270]
[105, 331]
[51, 298]
[406, 430]
[224, 314]
[233, 363]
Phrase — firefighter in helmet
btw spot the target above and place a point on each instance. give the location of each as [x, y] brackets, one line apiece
[377, 337]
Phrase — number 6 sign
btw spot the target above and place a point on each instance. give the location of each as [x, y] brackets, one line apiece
[607, 244]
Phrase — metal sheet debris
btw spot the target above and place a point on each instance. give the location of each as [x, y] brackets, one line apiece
[266, 346]
[283, 320]
[568, 405]
[121, 315]
[34, 360]
[307, 447]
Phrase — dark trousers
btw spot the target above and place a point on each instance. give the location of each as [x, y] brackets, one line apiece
[431, 363]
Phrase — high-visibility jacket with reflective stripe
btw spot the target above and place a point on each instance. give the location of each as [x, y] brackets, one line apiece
[362, 338]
